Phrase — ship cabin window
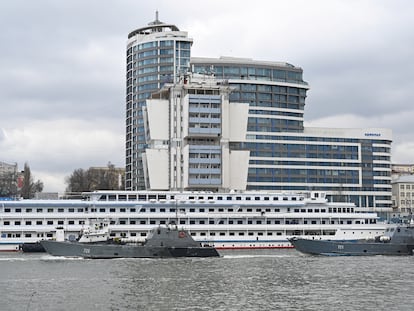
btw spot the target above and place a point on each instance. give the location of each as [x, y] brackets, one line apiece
[71, 222]
[305, 222]
[278, 233]
[222, 233]
[231, 233]
[102, 210]
[192, 210]
[310, 210]
[182, 222]
[330, 210]
[294, 198]
[112, 210]
[60, 222]
[211, 210]
[39, 222]
[240, 222]
[132, 197]
[202, 233]
[316, 210]
[268, 222]
[112, 234]
[17, 223]
[172, 197]
[277, 210]
[229, 198]
[349, 222]
[266, 198]
[50, 210]
[230, 222]
[28, 223]
[28, 210]
[18, 210]
[122, 210]
[257, 198]
[142, 222]
[357, 222]
[152, 197]
[229, 210]
[122, 222]
[211, 222]
[219, 198]
[60, 210]
[285, 198]
[275, 198]
[142, 210]
[259, 233]
[258, 222]
[112, 197]
[202, 222]
[323, 210]
[39, 210]
[212, 233]
[50, 222]
[193, 234]
[142, 197]
[80, 210]
[267, 210]
[133, 234]
[162, 222]
[122, 197]
[251, 233]
[132, 222]
[241, 233]
[162, 210]
[93, 210]
[71, 210]
[81, 222]
[249, 210]
[28, 235]
[49, 235]
[221, 210]
[277, 222]
[191, 198]
[152, 222]
[201, 198]
[210, 198]
[249, 222]
[296, 210]
[248, 198]
[192, 222]
[270, 233]
[303, 210]
[258, 210]
[6, 223]
[132, 210]
[333, 222]
[201, 210]
[238, 198]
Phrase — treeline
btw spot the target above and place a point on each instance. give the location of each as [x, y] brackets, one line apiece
[9, 184]
[96, 178]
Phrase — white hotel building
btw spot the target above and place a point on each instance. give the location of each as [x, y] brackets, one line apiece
[243, 130]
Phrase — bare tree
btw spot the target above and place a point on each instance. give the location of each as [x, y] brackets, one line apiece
[29, 186]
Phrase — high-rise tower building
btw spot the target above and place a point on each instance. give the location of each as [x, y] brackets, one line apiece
[156, 54]
[283, 155]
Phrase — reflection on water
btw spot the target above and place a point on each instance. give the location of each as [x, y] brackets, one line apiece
[239, 280]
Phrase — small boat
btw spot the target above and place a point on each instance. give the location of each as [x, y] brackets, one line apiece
[32, 247]
[162, 242]
[397, 240]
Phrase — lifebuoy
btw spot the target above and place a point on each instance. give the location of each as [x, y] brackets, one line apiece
[181, 234]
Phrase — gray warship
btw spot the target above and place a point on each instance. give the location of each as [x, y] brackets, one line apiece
[397, 240]
[162, 242]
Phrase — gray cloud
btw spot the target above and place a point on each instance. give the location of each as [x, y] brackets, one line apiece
[62, 78]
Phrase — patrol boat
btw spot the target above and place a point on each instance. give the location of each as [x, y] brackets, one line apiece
[397, 240]
[162, 242]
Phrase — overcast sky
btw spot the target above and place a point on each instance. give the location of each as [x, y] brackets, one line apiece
[62, 68]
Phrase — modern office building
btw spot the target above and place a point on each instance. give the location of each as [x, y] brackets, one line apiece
[156, 54]
[348, 164]
[191, 127]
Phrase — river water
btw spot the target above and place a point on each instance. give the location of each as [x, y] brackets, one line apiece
[239, 280]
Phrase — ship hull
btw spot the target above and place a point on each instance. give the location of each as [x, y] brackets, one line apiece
[349, 248]
[104, 251]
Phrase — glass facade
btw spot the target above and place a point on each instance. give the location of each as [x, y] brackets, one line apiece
[282, 156]
[156, 54]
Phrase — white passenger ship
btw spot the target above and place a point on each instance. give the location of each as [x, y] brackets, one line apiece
[224, 220]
